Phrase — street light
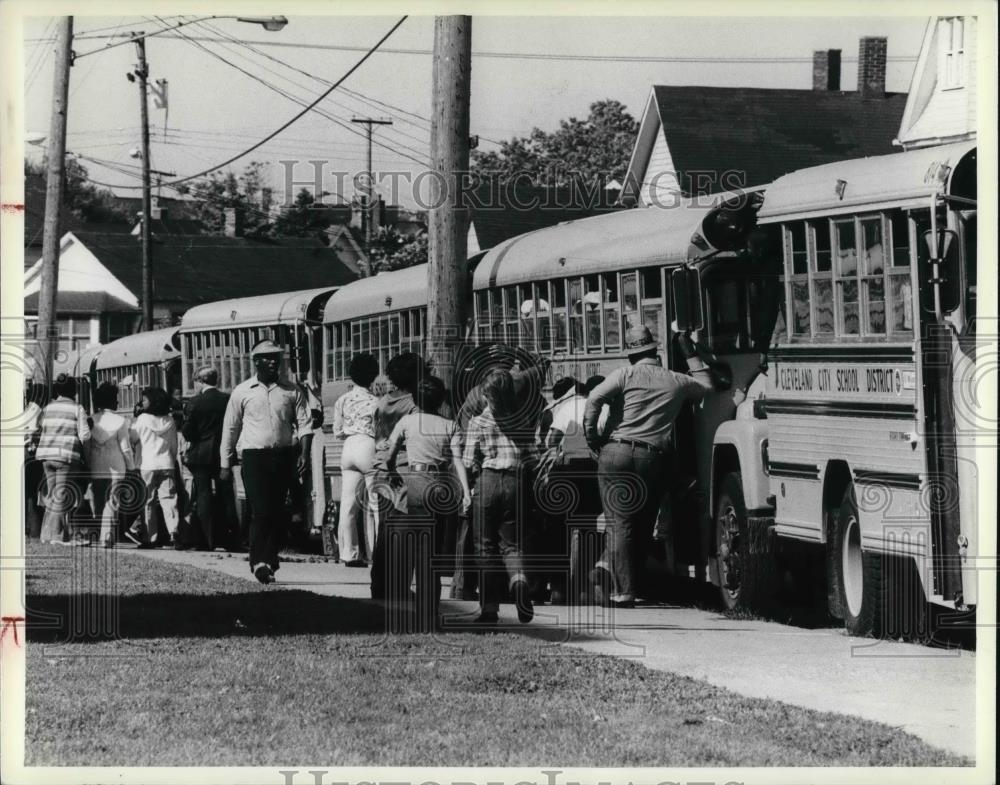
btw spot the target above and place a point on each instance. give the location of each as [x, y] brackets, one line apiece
[270, 23]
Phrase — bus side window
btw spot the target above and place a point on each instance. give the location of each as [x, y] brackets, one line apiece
[726, 315]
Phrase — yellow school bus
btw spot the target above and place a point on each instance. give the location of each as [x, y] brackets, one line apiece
[854, 439]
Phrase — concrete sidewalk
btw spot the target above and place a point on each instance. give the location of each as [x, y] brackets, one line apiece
[930, 693]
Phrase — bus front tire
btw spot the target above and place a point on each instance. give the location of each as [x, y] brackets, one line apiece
[744, 552]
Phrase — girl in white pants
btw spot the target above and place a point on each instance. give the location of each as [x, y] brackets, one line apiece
[353, 422]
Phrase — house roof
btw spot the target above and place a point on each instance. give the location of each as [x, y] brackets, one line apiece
[82, 302]
[499, 212]
[205, 268]
[760, 132]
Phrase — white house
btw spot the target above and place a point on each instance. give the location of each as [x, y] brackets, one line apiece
[941, 106]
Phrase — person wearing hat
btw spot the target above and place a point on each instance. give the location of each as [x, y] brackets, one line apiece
[644, 400]
[268, 428]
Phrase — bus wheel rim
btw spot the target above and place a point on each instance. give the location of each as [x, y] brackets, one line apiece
[853, 568]
[729, 568]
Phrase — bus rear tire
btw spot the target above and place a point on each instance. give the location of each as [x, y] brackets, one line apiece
[744, 552]
[858, 577]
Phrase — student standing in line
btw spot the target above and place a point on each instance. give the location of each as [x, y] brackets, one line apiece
[110, 460]
[353, 421]
[156, 432]
[63, 434]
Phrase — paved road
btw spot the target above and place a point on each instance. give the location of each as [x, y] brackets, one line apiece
[928, 692]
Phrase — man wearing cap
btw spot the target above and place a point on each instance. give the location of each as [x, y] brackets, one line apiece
[644, 399]
[268, 423]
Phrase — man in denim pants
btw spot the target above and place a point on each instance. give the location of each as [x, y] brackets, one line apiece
[644, 400]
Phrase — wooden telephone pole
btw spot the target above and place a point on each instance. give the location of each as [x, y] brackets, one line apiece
[448, 223]
[47, 332]
[370, 188]
[142, 71]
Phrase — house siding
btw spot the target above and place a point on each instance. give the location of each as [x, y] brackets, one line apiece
[659, 182]
[950, 113]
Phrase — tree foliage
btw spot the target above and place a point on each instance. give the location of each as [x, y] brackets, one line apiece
[393, 250]
[222, 190]
[86, 201]
[596, 149]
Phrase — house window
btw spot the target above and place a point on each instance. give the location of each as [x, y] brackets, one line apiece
[116, 325]
[953, 45]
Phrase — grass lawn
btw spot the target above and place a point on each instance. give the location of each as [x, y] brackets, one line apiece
[211, 670]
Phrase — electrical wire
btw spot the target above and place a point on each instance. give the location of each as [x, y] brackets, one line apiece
[419, 140]
[295, 118]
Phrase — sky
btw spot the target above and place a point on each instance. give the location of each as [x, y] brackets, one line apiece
[217, 110]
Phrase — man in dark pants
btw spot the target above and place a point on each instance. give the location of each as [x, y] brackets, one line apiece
[203, 415]
[644, 400]
[264, 418]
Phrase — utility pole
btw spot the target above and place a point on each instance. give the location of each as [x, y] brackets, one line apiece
[47, 332]
[142, 71]
[448, 220]
[370, 190]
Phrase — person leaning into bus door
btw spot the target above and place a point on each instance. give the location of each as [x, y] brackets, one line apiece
[203, 416]
[634, 457]
[264, 417]
[353, 421]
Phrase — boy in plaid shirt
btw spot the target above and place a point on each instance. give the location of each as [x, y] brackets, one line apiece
[498, 452]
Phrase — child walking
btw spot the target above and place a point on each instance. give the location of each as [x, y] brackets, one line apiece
[434, 477]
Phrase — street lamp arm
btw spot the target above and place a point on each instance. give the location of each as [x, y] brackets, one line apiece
[269, 23]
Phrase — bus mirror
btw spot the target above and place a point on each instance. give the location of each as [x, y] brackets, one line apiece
[946, 276]
[686, 287]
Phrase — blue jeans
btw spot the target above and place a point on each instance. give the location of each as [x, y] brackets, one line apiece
[631, 480]
[496, 522]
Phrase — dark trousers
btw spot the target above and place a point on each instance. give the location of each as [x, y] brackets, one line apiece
[216, 513]
[496, 520]
[34, 476]
[569, 501]
[414, 541]
[632, 481]
[465, 580]
[267, 476]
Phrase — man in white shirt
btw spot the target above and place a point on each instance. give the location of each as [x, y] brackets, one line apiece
[268, 422]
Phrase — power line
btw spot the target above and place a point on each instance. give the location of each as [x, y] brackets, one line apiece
[298, 116]
[301, 102]
[419, 140]
[556, 56]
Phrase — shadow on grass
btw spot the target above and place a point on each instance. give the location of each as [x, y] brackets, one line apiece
[93, 617]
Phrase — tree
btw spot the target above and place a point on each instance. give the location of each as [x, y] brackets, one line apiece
[223, 190]
[392, 250]
[596, 149]
[304, 218]
[84, 200]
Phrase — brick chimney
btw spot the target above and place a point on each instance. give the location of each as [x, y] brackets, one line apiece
[233, 224]
[871, 67]
[826, 70]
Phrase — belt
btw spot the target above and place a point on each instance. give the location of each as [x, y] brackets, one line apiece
[428, 467]
[642, 445]
[509, 470]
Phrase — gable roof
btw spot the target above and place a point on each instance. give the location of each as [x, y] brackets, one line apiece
[760, 132]
[205, 268]
[500, 211]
